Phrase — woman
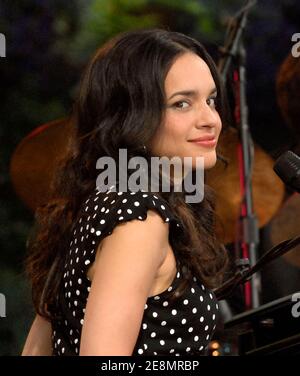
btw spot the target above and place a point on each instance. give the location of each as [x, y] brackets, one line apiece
[130, 273]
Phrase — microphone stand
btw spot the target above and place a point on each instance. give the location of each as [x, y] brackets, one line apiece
[248, 239]
[242, 276]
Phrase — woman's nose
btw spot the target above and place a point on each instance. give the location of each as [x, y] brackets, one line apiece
[207, 117]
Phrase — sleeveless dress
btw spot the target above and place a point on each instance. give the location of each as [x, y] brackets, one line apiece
[181, 328]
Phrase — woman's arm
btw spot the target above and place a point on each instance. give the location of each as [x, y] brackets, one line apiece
[38, 341]
[125, 268]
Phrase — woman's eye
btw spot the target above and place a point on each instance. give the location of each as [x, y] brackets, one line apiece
[180, 105]
[212, 101]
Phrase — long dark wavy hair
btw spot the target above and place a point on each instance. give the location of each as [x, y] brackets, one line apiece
[120, 104]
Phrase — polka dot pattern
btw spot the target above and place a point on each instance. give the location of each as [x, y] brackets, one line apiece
[181, 328]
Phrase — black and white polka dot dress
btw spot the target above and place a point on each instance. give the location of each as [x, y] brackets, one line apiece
[184, 327]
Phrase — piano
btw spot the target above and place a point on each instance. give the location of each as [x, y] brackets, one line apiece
[271, 329]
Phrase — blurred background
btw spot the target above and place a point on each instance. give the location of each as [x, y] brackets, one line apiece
[48, 43]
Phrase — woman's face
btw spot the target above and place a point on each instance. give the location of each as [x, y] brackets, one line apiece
[190, 113]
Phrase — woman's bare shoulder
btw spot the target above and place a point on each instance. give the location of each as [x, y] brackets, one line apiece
[124, 273]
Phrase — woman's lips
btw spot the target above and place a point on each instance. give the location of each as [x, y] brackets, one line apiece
[206, 143]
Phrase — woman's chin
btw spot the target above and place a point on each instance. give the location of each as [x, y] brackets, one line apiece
[210, 164]
[209, 161]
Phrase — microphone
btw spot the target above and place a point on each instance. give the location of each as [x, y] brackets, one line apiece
[287, 167]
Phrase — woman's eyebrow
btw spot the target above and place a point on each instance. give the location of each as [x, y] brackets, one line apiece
[191, 93]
